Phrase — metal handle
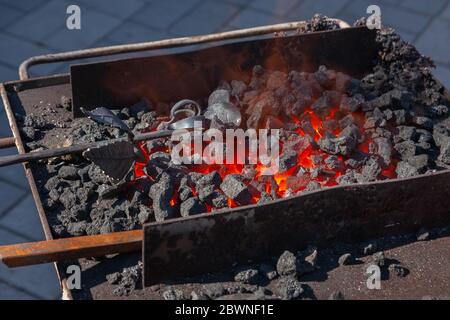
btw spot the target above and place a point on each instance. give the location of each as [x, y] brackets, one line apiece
[168, 43]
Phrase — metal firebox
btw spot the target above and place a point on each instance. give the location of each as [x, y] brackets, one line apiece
[203, 243]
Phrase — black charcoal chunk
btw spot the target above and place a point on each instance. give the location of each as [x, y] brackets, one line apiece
[68, 173]
[247, 276]
[287, 160]
[384, 150]
[405, 170]
[420, 162]
[398, 270]
[423, 122]
[444, 155]
[219, 96]
[351, 104]
[234, 188]
[211, 179]
[328, 100]
[138, 109]
[238, 88]
[287, 264]
[173, 294]
[192, 206]
[342, 145]
[289, 288]
[161, 194]
[406, 149]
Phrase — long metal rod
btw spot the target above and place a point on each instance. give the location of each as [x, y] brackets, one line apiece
[52, 153]
[31, 253]
[168, 43]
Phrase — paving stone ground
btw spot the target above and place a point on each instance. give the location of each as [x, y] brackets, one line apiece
[35, 27]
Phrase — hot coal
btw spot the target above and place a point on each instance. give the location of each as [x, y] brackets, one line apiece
[191, 207]
[234, 188]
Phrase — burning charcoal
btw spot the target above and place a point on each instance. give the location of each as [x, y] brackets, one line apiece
[268, 271]
[288, 288]
[138, 109]
[192, 206]
[297, 143]
[330, 125]
[214, 290]
[405, 170]
[287, 264]
[287, 160]
[334, 163]
[298, 182]
[342, 145]
[158, 162]
[313, 186]
[211, 179]
[326, 78]
[68, 173]
[219, 96]
[97, 175]
[77, 229]
[276, 80]
[439, 111]
[198, 295]
[265, 198]
[248, 276]
[370, 171]
[206, 194]
[444, 155]
[124, 113]
[423, 122]
[238, 88]
[400, 117]
[161, 193]
[384, 150]
[370, 123]
[235, 189]
[225, 113]
[406, 149]
[351, 104]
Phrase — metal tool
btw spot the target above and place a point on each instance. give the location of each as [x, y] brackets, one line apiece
[117, 156]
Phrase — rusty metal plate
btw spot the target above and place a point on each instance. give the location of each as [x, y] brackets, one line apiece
[212, 242]
[195, 74]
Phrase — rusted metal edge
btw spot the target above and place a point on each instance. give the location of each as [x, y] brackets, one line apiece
[213, 242]
[66, 249]
[160, 44]
[44, 222]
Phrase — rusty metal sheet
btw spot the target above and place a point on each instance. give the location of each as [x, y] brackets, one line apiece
[195, 74]
[211, 242]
